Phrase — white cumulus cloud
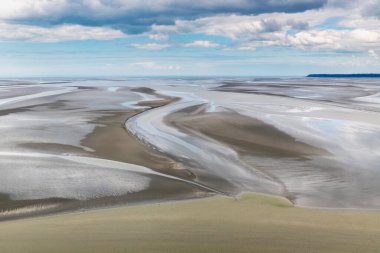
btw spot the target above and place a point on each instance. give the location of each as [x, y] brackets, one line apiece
[357, 39]
[201, 43]
[150, 46]
[15, 32]
[150, 65]
[373, 54]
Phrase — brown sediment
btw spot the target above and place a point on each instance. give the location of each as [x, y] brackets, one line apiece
[56, 148]
[53, 105]
[110, 140]
[160, 189]
[249, 137]
[10, 111]
[15, 204]
[13, 209]
[145, 90]
[246, 135]
[3, 198]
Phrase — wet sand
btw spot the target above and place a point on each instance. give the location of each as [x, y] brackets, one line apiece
[111, 141]
[263, 224]
[245, 143]
[264, 143]
[246, 135]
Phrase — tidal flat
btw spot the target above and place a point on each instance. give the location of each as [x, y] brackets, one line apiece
[112, 155]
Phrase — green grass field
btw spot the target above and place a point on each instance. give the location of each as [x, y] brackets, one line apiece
[254, 223]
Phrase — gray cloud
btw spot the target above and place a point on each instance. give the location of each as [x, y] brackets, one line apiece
[136, 16]
[367, 8]
[372, 8]
[73, 32]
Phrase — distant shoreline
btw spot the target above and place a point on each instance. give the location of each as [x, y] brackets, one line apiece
[345, 75]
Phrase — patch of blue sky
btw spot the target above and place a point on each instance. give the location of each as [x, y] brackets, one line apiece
[184, 38]
[118, 58]
[332, 23]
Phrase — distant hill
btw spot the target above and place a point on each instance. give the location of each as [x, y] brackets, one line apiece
[346, 75]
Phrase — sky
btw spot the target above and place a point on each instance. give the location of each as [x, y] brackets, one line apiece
[106, 38]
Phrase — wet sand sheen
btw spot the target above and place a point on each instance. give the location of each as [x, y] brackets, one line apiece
[246, 135]
[252, 223]
[308, 175]
[111, 141]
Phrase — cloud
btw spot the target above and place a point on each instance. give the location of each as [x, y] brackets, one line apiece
[159, 46]
[325, 29]
[356, 40]
[238, 27]
[251, 24]
[373, 54]
[15, 32]
[155, 66]
[246, 47]
[135, 16]
[201, 43]
[150, 46]
[371, 8]
[158, 36]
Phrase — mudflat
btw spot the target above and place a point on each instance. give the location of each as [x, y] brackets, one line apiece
[246, 135]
